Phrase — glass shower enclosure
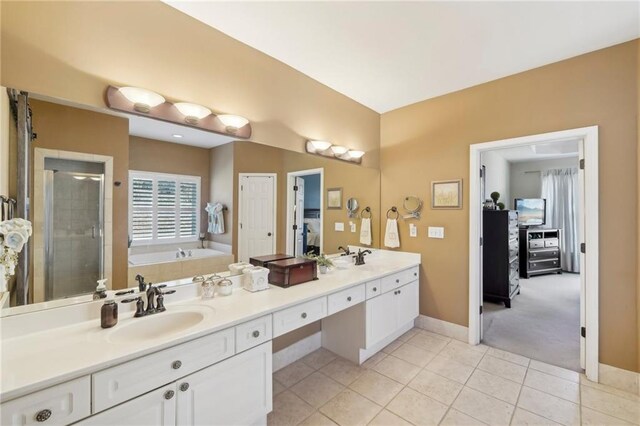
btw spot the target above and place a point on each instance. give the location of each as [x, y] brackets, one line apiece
[74, 227]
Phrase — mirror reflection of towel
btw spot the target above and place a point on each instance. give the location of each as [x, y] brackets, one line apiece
[216, 218]
[365, 231]
[391, 237]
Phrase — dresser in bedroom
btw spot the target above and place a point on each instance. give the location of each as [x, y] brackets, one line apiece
[500, 254]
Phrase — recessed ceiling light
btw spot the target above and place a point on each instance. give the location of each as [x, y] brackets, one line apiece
[175, 135]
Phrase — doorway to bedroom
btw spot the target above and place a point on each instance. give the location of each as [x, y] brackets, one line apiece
[304, 212]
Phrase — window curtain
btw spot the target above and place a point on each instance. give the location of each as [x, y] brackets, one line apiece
[560, 189]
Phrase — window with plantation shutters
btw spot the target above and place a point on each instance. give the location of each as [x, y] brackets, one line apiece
[163, 208]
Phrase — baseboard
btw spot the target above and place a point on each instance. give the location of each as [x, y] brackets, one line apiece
[294, 352]
[628, 381]
[445, 328]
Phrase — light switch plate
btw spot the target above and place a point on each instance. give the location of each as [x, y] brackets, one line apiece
[339, 226]
[352, 225]
[413, 230]
[436, 232]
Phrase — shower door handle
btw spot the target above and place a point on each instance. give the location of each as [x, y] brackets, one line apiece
[93, 232]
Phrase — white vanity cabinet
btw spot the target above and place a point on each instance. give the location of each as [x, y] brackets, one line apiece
[390, 312]
[236, 391]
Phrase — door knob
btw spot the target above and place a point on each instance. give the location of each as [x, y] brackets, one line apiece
[268, 234]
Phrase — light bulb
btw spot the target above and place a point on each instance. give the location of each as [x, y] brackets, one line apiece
[338, 150]
[192, 112]
[232, 122]
[143, 99]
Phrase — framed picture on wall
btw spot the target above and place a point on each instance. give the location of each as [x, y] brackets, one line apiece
[446, 194]
[334, 198]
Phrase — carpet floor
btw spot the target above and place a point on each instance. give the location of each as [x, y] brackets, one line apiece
[543, 322]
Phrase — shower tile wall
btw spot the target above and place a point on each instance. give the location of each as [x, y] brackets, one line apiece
[76, 252]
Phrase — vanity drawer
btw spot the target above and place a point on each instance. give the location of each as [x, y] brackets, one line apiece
[295, 317]
[345, 299]
[125, 381]
[393, 281]
[551, 243]
[536, 244]
[253, 333]
[373, 289]
[58, 405]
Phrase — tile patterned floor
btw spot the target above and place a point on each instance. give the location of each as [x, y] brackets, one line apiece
[428, 379]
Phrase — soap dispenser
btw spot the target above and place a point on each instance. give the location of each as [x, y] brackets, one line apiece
[109, 314]
[101, 290]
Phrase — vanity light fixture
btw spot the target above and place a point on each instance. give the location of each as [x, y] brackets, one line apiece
[319, 146]
[338, 150]
[326, 149]
[232, 122]
[143, 99]
[192, 112]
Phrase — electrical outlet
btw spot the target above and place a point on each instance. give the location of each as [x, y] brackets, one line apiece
[352, 225]
[339, 226]
[436, 232]
[413, 230]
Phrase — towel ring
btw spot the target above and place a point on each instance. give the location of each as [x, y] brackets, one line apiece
[365, 210]
[393, 209]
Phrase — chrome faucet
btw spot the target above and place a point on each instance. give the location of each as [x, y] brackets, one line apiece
[180, 253]
[360, 256]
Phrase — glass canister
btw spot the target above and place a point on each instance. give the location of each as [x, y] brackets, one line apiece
[208, 289]
[225, 287]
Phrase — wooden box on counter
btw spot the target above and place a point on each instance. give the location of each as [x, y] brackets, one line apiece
[264, 260]
[288, 272]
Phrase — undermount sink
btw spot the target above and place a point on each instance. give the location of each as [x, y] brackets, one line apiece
[156, 326]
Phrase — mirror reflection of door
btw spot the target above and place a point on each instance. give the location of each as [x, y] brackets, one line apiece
[256, 231]
[298, 217]
[73, 226]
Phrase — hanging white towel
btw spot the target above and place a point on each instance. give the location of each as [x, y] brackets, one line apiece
[365, 231]
[216, 218]
[391, 237]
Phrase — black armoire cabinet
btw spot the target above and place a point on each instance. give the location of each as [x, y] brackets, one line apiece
[500, 277]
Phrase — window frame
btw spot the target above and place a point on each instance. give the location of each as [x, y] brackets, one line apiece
[155, 177]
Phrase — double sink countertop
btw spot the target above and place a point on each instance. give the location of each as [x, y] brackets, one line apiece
[50, 356]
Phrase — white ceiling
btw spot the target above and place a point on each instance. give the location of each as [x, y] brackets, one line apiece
[386, 55]
[540, 151]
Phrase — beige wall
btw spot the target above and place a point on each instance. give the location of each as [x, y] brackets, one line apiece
[221, 172]
[430, 141]
[151, 155]
[72, 54]
[73, 129]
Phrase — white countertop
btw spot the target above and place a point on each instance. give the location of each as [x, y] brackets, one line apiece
[41, 359]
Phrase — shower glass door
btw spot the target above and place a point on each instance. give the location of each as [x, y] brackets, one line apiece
[74, 224]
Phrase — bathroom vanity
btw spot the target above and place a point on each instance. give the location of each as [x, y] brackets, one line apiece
[201, 361]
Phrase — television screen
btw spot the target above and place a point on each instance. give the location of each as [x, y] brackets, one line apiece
[531, 211]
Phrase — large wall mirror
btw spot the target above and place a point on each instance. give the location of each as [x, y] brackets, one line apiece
[112, 195]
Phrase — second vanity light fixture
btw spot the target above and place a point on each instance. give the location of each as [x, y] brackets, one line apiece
[327, 149]
[146, 103]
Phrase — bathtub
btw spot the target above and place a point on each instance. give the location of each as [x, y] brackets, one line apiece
[170, 256]
[164, 266]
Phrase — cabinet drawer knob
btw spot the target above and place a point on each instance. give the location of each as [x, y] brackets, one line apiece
[43, 415]
[349, 299]
[399, 291]
[255, 333]
[184, 387]
[304, 315]
[415, 274]
[169, 394]
[397, 281]
[375, 289]
[176, 364]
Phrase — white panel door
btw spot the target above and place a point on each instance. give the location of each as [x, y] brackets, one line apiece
[580, 236]
[156, 408]
[381, 317]
[407, 303]
[233, 392]
[256, 233]
[298, 216]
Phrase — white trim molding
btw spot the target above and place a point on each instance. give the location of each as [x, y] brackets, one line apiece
[297, 350]
[449, 329]
[588, 139]
[291, 202]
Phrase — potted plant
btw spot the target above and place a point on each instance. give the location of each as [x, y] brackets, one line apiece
[500, 206]
[323, 262]
[14, 234]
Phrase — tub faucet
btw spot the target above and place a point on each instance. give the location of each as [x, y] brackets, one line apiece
[180, 253]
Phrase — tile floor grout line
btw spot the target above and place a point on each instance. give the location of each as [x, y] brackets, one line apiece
[515, 405]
